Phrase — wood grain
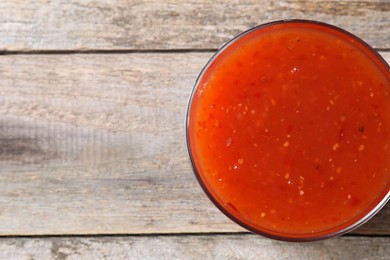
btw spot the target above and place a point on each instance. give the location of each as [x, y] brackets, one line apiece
[139, 25]
[94, 144]
[192, 247]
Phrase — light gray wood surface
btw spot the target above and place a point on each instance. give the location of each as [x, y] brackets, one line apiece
[193, 247]
[137, 24]
[94, 144]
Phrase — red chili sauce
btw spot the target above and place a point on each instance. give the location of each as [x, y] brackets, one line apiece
[289, 129]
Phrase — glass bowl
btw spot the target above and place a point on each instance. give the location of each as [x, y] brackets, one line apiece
[209, 172]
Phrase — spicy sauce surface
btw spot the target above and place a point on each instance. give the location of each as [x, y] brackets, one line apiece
[290, 129]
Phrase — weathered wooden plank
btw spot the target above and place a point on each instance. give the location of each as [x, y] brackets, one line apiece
[192, 247]
[138, 24]
[94, 144]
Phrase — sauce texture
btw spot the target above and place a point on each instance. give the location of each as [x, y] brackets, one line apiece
[289, 130]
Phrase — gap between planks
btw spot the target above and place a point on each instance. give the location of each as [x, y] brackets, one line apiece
[121, 51]
[183, 234]
[102, 51]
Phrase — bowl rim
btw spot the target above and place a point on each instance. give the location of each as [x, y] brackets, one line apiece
[279, 236]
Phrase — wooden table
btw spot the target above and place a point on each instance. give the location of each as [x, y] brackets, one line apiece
[93, 161]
